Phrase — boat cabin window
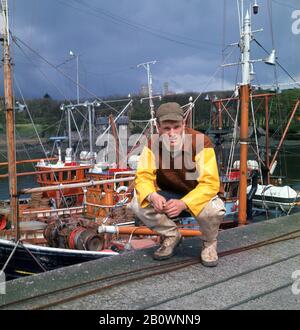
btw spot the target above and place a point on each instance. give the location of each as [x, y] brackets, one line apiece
[73, 175]
[65, 176]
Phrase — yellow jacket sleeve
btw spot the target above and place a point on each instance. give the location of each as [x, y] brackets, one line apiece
[208, 182]
[145, 176]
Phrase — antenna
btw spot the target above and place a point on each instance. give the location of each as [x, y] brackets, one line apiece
[245, 42]
[255, 8]
[76, 56]
[252, 72]
[147, 67]
[271, 59]
[245, 46]
[90, 106]
[4, 19]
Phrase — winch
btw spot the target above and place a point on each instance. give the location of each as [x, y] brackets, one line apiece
[74, 234]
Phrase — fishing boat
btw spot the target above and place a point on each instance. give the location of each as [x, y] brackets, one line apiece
[17, 256]
[248, 177]
[31, 259]
[103, 189]
[85, 194]
[261, 163]
[275, 197]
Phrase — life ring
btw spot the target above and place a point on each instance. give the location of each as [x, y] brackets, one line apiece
[121, 197]
[3, 222]
[122, 188]
[69, 201]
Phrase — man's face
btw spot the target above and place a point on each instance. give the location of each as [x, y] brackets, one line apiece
[172, 132]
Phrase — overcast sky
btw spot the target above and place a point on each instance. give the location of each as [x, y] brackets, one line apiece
[186, 37]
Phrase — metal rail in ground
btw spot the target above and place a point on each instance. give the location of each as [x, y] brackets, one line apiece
[118, 279]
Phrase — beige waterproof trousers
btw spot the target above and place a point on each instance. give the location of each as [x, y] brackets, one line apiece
[209, 219]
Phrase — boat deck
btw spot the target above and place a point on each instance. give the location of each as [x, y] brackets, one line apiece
[259, 278]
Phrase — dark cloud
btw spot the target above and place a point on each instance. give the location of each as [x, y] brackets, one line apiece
[112, 37]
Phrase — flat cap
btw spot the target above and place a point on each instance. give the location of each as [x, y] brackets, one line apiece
[169, 111]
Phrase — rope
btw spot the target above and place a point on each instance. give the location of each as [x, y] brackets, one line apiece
[25, 149]
[34, 258]
[41, 72]
[116, 119]
[213, 76]
[256, 139]
[138, 139]
[79, 135]
[281, 67]
[3, 155]
[10, 256]
[19, 243]
[119, 20]
[225, 109]
[57, 132]
[15, 39]
[234, 141]
[273, 39]
[294, 203]
[40, 141]
[81, 130]
[31, 119]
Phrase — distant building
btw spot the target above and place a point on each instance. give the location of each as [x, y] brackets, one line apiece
[144, 91]
[166, 89]
[47, 96]
[103, 122]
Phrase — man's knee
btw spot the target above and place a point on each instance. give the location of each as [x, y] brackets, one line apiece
[134, 206]
[141, 213]
[215, 209]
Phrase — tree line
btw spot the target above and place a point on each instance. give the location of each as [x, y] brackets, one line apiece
[47, 115]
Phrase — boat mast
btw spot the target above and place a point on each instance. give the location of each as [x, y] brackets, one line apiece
[147, 67]
[244, 96]
[116, 138]
[267, 141]
[10, 125]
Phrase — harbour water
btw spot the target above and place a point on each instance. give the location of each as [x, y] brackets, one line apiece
[288, 168]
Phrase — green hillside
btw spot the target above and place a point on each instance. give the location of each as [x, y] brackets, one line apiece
[48, 117]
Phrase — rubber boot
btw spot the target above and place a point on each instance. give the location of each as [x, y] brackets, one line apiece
[168, 246]
[209, 255]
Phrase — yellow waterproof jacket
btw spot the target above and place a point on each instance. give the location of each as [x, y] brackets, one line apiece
[151, 175]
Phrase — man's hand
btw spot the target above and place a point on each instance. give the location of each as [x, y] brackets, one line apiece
[174, 207]
[158, 202]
